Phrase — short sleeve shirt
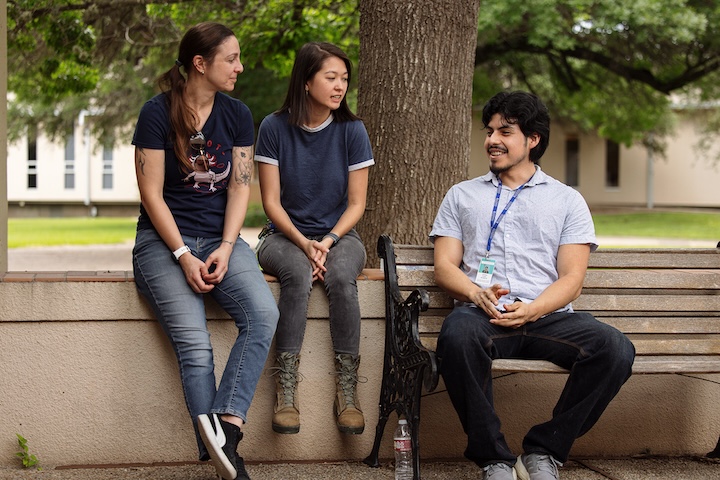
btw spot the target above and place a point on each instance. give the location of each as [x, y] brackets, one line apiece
[314, 167]
[196, 200]
[545, 215]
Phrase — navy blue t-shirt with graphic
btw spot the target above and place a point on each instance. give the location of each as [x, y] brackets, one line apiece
[196, 200]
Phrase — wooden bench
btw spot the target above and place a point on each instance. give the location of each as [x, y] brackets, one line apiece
[667, 301]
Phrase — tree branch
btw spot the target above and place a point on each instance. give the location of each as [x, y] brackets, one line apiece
[691, 73]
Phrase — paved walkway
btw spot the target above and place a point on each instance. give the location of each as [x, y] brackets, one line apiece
[119, 257]
[640, 468]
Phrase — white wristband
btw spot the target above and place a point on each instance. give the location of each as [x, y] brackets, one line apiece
[180, 251]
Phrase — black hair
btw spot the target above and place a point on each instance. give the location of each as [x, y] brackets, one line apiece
[308, 62]
[525, 110]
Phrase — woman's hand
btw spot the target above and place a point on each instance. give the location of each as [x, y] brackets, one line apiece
[195, 270]
[317, 254]
[217, 264]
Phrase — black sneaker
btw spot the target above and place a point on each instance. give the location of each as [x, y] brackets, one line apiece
[221, 439]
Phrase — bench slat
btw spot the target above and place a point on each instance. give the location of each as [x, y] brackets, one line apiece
[642, 365]
[430, 325]
[601, 258]
[423, 276]
[656, 258]
[620, 303]
[645, 346]
[648, 303]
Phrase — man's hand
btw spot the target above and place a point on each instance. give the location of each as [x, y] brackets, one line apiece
[516, 315]
[488, 298]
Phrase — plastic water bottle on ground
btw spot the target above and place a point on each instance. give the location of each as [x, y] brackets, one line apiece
[403, 451]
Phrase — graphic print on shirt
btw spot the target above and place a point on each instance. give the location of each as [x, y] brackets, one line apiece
[203, 175]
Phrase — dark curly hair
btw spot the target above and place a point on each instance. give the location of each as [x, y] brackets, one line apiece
[526, 111]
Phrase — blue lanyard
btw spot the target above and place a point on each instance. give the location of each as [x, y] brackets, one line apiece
[493, 223]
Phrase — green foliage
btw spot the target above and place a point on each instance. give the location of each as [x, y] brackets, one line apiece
[605, 65]
[103, 56]
[28, 460]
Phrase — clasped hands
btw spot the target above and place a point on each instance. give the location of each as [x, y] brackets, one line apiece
[512, 315]
[316, 252]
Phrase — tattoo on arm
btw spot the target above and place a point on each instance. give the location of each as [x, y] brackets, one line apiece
[244, 170]
[140, 159]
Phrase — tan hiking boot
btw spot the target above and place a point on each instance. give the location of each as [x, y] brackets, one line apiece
[286, 418]
[349, 417]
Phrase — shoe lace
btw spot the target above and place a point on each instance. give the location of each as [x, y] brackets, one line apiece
[348, 378]
[288, 376]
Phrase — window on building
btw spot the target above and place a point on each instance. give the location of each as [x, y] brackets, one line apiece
[612, 164]
[70, 161]
[107, 168]
[32, 159]
[572, 160]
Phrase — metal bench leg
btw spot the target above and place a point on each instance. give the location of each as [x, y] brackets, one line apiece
[385, 393]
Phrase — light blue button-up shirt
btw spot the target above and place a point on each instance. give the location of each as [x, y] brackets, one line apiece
[545, 215]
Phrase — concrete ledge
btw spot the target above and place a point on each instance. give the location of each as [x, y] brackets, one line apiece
[88, 377]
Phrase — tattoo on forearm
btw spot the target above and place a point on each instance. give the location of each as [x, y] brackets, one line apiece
[140, 160]
[243, 172]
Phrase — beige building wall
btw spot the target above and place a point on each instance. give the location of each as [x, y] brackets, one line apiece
[88, 168]
[682, 178]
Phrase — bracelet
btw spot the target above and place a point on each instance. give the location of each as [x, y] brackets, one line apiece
[334, 238]
[228, 241]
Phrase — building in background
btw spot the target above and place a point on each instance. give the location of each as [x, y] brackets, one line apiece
[75, 175]
[79, 175]
[612, 175]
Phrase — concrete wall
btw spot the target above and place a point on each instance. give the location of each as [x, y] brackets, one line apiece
[88, 377]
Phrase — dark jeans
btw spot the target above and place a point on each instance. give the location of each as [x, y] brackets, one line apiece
[598, 356]
[280, 257]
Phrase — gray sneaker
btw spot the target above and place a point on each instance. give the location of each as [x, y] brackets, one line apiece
[536, 466]
[499, 471]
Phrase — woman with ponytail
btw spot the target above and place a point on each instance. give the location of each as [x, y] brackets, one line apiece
[194, 161]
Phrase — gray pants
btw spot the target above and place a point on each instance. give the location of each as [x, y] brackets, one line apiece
[280, 257]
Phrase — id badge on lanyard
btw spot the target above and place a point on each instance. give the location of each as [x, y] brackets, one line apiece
[485, 273]
[487, 265]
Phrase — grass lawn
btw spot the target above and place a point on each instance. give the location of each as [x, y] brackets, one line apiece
[25, 232]
[693, 226]
[35, 232]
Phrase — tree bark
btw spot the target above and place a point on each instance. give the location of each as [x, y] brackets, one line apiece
[415, 97]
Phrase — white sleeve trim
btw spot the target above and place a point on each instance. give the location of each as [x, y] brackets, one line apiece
[263, 159]
[361, 165]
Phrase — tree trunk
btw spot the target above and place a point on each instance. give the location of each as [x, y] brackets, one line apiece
[415, 96]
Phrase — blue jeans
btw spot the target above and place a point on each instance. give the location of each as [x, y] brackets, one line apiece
[280, 257]
[243, 294]
[598, 356]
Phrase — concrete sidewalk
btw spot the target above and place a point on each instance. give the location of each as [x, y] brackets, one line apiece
[639, 468]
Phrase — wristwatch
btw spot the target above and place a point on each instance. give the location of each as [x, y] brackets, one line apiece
[180, 251]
